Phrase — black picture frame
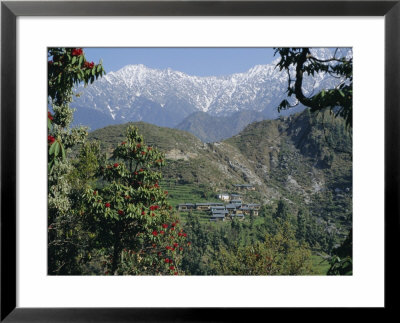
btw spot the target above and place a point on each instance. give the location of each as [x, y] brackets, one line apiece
[10, 10]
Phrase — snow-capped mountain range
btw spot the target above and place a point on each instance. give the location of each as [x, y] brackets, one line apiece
[166, 97]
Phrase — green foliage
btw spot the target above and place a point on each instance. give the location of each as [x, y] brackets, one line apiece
[67, 238]
[342, 260]
[339, 99]
[195, 261]
[294, 147]
[279, 254]
[68, 67]
[320, 264]
[164, 139]
[130, 213]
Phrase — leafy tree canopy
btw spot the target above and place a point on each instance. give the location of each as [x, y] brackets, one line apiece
[300, 62]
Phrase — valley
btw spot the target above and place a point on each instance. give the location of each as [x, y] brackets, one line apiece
[303, 159]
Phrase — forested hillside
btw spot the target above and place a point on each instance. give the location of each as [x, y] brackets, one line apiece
[302, 162]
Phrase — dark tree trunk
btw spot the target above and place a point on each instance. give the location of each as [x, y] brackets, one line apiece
[117, 249]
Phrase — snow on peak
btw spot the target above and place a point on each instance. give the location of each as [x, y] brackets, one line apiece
[137, 92]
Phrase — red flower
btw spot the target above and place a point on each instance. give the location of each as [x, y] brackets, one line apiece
[166, 192]
[180, 248]
[94, 192]
[120, 212]
[116, 165]
[168, 247]
[50, 139]
[175, 244]
[77, 52]
[123, 143]
[166, 260]
[159, 253]
[89, 65]
[184, 234]
[172, 229]
[107, 205]
[189, 243]
[155, 233]
[143, 153]
[152, 214]
[141, 170]
[175, 273]
[171, 267]
[49, 115]
[138, 146]
[143, 213]
[162, 232]
[180, 234]
[173, 224]
[165, 226]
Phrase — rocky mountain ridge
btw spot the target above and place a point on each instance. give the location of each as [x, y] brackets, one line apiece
[166, 97]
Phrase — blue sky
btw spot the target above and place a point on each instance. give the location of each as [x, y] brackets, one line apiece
[193, 61]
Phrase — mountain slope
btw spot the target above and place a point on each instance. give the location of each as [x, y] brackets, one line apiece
[211, 129]
[305, 159]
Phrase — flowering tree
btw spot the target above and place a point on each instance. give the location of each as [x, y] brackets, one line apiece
[130, 213]
[67, 67]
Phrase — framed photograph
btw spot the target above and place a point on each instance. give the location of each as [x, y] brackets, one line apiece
[249, 105]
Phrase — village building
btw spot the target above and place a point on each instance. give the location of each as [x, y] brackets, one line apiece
[236, 202]
[213, 204]
[231, 208]
[217, 217]
[254, 206]
[221, 212]
[249, 187]
[235, 197]
[217, 208]
[202, 206]
[245, 210]
[223, 196]
[186, 207]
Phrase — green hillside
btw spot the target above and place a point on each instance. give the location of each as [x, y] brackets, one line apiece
[165, 139]
[304, 159]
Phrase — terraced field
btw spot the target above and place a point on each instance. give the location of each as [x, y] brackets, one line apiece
[188, 193]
